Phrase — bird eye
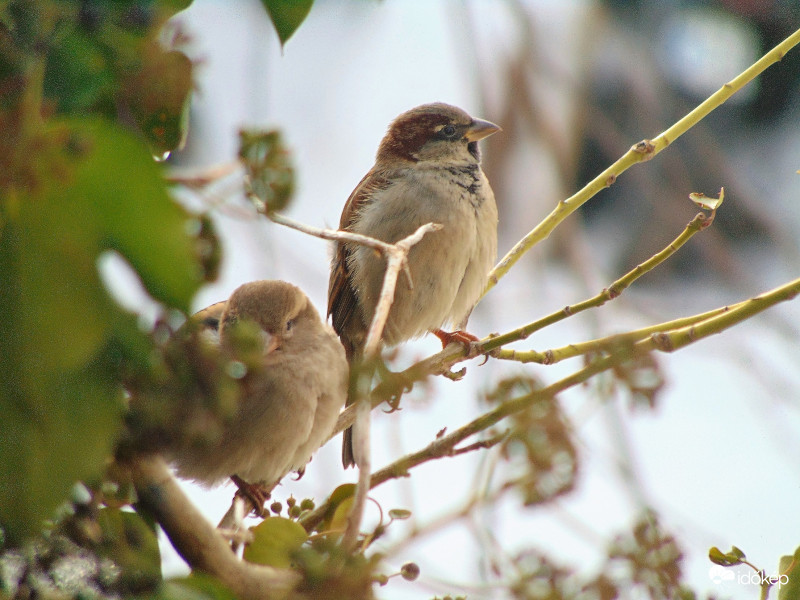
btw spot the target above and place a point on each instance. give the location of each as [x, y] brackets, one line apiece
[289, 325]
[448, 130]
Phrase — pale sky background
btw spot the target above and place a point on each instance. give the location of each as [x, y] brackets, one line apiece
[718, 459]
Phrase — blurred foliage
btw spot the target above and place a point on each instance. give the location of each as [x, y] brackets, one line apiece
[90, 552]
[191, 388]
[539, 443]
[641, 376]
[270, 175]
[644, 563]
[196, 586]
[650, 557]
[91, 92]
[331, 572]
[76, 183]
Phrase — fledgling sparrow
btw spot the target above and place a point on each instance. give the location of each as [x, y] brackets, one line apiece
[427, 169]
[290, 405]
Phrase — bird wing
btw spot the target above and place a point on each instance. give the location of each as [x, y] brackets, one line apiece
[342, 300]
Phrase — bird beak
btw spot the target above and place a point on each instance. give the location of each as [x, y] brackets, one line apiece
[271, 342]
[480, 129]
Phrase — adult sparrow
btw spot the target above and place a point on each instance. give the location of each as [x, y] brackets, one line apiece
[289, 406]
[427, 169]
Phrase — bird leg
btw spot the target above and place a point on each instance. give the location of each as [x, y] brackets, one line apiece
[254, 493]
[459, 337]
[469, 341]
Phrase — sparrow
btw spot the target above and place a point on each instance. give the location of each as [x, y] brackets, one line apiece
[427, 169]
[289, 404]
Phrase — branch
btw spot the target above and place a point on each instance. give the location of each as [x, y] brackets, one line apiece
[392, 388]
[718, 321]
[699, 223]
[396, 259]
[397, 256]
[549, 357]
[643, 151]
[196, 540]
[725, 319]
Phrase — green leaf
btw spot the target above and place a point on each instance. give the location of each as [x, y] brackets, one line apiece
[197, 586]
[174, 6]
[718, 557]
[738, 553]
[708, 202]
[287, 15]
[270, 173]
[158, 95]
[789, 576]
[131, 543]
[54, 431]
[276, 540]
[399, 514]
[79, 74]
[338, 507]
[63, 340]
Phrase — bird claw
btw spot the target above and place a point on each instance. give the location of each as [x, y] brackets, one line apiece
[394, 404]
[459, 337]
[470, 342]
[395, 380]
[256, 494]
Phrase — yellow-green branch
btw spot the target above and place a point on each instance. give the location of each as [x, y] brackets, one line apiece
[699, 223]
[643, 151]
[549, 357]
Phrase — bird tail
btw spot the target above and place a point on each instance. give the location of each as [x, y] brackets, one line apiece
[354, 354]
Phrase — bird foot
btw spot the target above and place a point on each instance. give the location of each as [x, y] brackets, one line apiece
[398, 383]
[254, 493]
[469, 341]
[459, 337]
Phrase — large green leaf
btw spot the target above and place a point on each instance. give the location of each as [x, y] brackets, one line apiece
[287, 15]
[789, 577]
[130, 542]
[275, 541]
[63, 341]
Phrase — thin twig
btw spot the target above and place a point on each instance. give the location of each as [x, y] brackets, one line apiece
[396, 259]
[396, 256]
[722, 319]
[552, 356]
[700, 222]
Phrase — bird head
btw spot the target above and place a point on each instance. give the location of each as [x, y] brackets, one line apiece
[276, 308]
[434, 132]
